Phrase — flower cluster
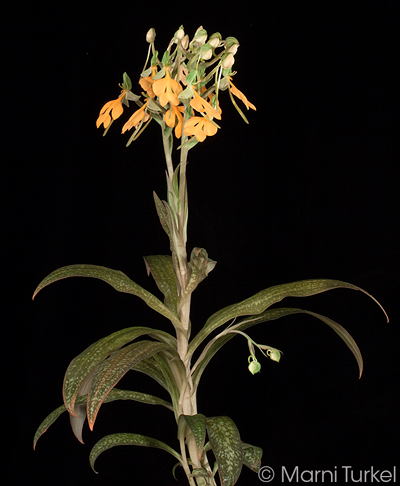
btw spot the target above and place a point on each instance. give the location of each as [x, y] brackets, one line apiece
[180, 91]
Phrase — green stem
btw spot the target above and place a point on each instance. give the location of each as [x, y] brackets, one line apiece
[168, 155]
[187, 401]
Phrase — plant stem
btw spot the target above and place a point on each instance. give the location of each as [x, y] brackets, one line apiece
[187, 400]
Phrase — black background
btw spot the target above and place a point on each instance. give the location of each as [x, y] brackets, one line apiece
[308, 190]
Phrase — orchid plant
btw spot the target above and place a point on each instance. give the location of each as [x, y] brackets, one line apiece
[181, 92]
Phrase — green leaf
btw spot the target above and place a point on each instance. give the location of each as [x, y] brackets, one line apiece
[252, 456]
[259, 302]
[128, 439]
[173, 372]
[111, 370]
[270, 315]
[79, 418]
[127, 83]
[116, 279]
[227, 448]
[191, 78]
[162, 214]
[81, 366]
[162, 269]
[115, 394]
[197, 424]
[151, 368]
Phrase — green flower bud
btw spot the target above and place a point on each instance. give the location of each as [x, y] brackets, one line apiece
[254, 366]
[274, 355]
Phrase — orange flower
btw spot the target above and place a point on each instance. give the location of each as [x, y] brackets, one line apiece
[136, 118]
[111, 111]
[240, 95]
[202, 106]
[200, 127]
[210, 99]
[167, 89]
[147, 82]
[174, 115]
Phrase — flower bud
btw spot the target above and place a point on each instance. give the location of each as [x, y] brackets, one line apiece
[150, 36]
[254, 366]
[229, 41]
[274, 355]
[215, 40]
[200, 36]
[233, 49]
[180, 33]
[185, 41]
[206, 52]
[228, 61]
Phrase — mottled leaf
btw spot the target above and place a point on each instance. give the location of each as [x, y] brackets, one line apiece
[151, 368]
[128, 439]
[81, 366]
[270, 315]
[79, 418]
[162, 269]
[259, 302]
[163, 215]
[227, 448]
[116, 279]
[197, 425]
[252, 456]
[111, 370]
[115, 394]
[172, 373]
[200, 472]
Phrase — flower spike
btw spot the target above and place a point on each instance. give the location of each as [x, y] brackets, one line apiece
[182, 91]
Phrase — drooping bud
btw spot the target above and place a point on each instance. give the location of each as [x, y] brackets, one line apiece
[215, 40]
[230, 41]
[254, 366]
[150, 36]
[185, 41]
[233, 48]
[274, 355]
[228, 61]
[200, 37]
[180, 33]
[206, 52]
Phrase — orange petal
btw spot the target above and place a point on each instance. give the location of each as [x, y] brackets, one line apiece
[167, 89]
[202, 106]
[112, 109]
[136, 118]
[241, 96]
[174, 116]
[200, 127]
